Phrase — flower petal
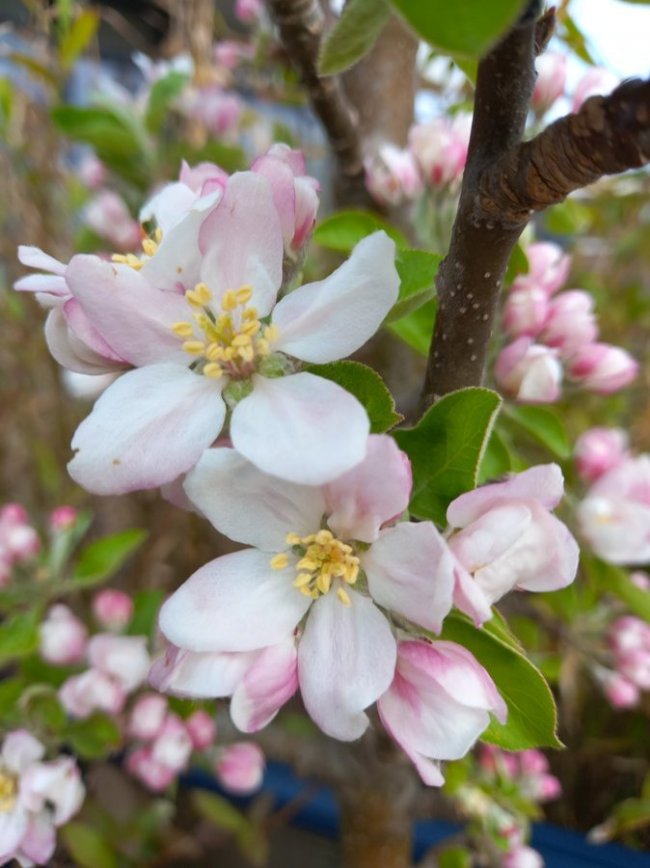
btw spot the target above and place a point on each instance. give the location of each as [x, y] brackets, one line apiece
[69, 351]
[267, 685]
[134, 318]
[543, 483]
[20, 749]
[250, 506]
[372, 493]
[199, 674]
[302, 428]
[13, 826]
[234, 603]
[330, 319]
[83, 329]
[411, 571]
[147, 428]
[34, 257]
[346, 660]
[241, 241]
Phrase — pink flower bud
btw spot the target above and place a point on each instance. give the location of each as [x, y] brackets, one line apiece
[525, 312]
[523, 857]
[440, 148]
[21, 541]
[599, 450]
[248, 11]
[124, 658]
[63, 637]
[154, 775]
[62, 518]
[240, 768]
[392, 175]
[112, 608]
[108, 215]
[548, 268]
[621, 692]
[93, 172]
[172, 746]
[533, 762]
[229, 53]
[93, 690]
[571, 323]
[596, 81]
[641, 580]
[547, 788]
[202, 729]
[219, 110]
[551, 79]
[13, 514]
[147, 716]
[529, 372]
[602, 368]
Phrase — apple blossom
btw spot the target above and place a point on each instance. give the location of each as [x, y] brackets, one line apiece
[147, 716]
[529, 372]
[548, 268]
[525, 312]
[154, 775]
[392, 175]
[202, 729]
[63, 637]
[629, 640]
[522, 857]
[172, 745]
[438, 704]
[599, 450]
[602, 368]
[248, 11]
[92, 172]
[317, 549]
[108, 216]
[440, 148]
[19, 541]
[595, 81]
[621, 692]
[154, 422]
[91, 691]
[63, 518]
[550, 82]
[112, 608]
[240, 767]
[35, 798]
[571, 323]
[614, 517]
[508, 538]
[124, 658]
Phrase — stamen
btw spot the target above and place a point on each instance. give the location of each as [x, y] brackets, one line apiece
[343, 596]
[194, 348]
[183, 329]
[279, 561]
[324, 560]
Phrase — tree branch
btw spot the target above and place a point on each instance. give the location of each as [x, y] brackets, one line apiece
[301, 24]
[506, 180]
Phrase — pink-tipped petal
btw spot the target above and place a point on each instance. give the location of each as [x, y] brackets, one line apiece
[199, 675]
[266, 686]
[148, 427]
[302, 428]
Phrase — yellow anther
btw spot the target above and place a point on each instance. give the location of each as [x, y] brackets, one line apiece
[149, 246]
[279, 561]
[271, 333]
[323, 583]
[324, 536]
[214, 352]
[251, 328]
[244, 294]
[183, 329]
[307, 564]
[203, 291]
[129, 259]
[263, 348]
[8, 791]
[250, 314]
[247, 353]
[302, 580]
[343, 596]
[158, 235]
[292, 539]
[242, 340]
[212, 369]
[195, 348]
[229, 300]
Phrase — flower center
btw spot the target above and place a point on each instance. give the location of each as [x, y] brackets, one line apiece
[8, 791]
[323, 560]
[149, 246]
[229, 342]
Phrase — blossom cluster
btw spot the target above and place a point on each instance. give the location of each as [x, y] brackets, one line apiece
[19, 541]
[551, 83]
[555, 334]
[36, 796]
[629, 645]
[614, 516]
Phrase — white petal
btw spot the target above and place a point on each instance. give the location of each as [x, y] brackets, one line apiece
[250, 506]
[332, 318]
[302, 428]
[267, 685]
[346, 660]
[147, 428]
[411, 571]
[200, 675]
[69, 351]
[235, 603]
[241, 241]
[13, 825]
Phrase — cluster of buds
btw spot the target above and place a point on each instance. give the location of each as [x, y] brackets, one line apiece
[555, 335]
[434, 159]
[614, 516]
[550, 84]
[36, 797]
[528, 770]
[629, 643]
[19, 541]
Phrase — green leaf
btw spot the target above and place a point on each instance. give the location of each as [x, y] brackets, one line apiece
[532, 717]
[104, 557]
[416, 328]
[105, 129]
[11, 690]
[145, 612]
[446, 448]
[367, 386]
[465, 27]
[417, 271]
[575, 39]
[517, 264]
[19, 635]
[219, 811]
[353, 35]
[95, 737]
[38, 70]
[40, 703]
[77, 37]
[341, 231]
[542, 424]
[496, 458]
[87, 847]
[455, 857]
[568, 218]
[616, 581]
[163, 92]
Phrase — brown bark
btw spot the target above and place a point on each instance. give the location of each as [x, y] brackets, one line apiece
[374, 832]
[301, 24]
[506, 180]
